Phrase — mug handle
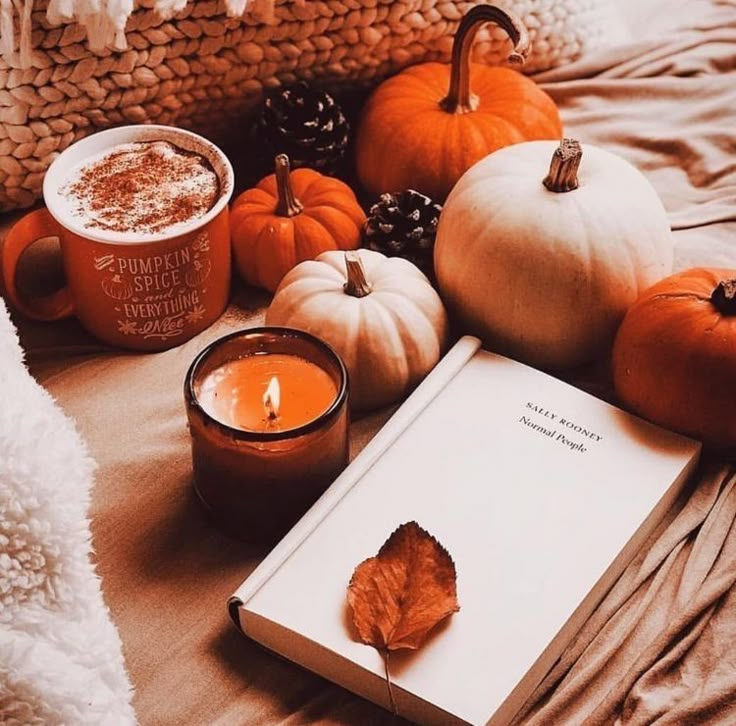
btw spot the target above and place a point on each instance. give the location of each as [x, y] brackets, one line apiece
[32, 227]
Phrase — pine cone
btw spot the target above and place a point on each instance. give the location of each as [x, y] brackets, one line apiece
[306, 124]
[404, 225]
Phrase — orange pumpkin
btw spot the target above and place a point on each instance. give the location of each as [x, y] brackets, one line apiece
[675, 355]
[290, 217]
[414, 133]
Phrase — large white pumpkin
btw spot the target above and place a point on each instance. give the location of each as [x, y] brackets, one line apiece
[379, 313]
[544, 270]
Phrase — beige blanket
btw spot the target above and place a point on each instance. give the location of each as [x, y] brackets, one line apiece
[659, 647]
[667, 103]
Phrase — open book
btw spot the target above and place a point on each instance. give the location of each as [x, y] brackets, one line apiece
[540, 492]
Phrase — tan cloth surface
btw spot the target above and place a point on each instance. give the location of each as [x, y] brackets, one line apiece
[668, 105]
[166, 571]
[657, 649]
[660, 644]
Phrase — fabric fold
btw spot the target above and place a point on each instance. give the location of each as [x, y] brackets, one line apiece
[646, 653]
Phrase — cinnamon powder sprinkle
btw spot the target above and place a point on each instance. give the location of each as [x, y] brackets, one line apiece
[145, 187]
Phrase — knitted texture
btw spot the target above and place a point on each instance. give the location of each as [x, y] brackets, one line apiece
[204, 69]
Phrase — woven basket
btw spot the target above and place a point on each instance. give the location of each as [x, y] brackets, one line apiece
[203, 70]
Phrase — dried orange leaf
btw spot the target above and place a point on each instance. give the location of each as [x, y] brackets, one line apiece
[398, 596]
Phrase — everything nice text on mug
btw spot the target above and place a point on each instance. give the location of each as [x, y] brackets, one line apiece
[158, 295]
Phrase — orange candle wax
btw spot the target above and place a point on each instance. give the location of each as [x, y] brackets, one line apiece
[268, 416]
[235, 393]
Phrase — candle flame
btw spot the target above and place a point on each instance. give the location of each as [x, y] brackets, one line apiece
[272, 399]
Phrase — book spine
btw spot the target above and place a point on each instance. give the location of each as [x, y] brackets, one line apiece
[450, 365]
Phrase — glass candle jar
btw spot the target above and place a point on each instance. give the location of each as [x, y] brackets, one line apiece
[268, 417]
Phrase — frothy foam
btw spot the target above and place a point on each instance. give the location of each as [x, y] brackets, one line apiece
[141, 187]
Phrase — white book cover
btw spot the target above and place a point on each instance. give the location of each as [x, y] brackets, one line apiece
[540, 492]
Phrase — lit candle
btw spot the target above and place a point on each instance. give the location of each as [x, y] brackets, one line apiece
[267, 392]
[268, 417]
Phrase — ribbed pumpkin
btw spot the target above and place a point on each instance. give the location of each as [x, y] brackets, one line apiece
[544, 268]
[674, 359]
[379, 313]
[290, 217]
[423, 128]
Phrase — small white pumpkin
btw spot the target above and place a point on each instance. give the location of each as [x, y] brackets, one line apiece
[379, 313]
[544, 269]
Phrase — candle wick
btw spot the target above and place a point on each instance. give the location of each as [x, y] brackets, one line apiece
[271, 401]
[271, 414]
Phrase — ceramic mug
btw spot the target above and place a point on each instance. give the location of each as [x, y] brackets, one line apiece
[147, 291]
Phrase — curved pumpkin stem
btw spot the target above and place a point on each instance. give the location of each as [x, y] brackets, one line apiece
[563, 169]
[723, 297]
[356, 285]
[459, 98]
[287, 204]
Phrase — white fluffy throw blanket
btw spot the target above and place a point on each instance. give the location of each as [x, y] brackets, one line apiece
[104, 20]
[60, 655]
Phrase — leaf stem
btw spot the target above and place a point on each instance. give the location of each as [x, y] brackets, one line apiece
[392, 700]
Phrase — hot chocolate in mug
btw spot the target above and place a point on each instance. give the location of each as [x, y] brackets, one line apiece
[141, 213]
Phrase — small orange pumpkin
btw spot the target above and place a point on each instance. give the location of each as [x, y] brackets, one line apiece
[675, 355]
[290, 217]
[414, 133]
